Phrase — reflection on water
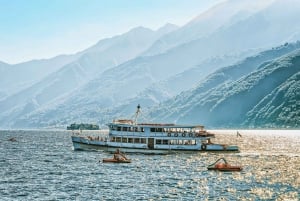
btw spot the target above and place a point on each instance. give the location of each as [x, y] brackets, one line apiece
[41, 165]
[271, 159]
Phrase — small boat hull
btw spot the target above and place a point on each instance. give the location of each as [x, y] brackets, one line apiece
[111, 160]
[226, 169]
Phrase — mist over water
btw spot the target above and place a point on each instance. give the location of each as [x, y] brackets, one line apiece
[41, 165]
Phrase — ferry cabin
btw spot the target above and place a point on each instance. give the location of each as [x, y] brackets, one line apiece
[158, 136]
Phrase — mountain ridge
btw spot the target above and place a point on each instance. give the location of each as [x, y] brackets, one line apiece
[73, 75]
[229, 102]
[126, 68]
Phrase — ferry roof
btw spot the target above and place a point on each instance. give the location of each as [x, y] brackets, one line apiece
[157, 125]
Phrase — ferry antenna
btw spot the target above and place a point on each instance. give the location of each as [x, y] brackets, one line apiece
[138, 111]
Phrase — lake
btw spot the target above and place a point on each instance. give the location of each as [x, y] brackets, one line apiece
[42, 165]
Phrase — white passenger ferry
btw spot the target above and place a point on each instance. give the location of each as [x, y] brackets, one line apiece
[150, 138]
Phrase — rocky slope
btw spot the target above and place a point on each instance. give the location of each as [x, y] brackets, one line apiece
[243, 95]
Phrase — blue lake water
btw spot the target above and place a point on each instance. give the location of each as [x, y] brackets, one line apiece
[41, 165]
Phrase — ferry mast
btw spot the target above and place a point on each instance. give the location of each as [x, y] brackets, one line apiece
[138, 111]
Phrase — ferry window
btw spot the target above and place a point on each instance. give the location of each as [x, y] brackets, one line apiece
[152, 129]
[159, 129]
[158, 141]
[118, 128]
[136, 140]
[124, 128]
[143, 140]
[113, 128]
[165, 142]
[113, 139]
[140, 129]
[124, 140]
[130, 140]
[118, 139]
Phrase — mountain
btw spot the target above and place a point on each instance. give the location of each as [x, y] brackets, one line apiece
[232, 96]
[3, 66]
[105, 54]
[222, 15]
[281, 108]
[92, 110]
[166, 89]
[96, 83]
[252, 31]
[14, 78]
[138, 39]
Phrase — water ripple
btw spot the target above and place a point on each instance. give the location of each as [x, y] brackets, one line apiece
[41, 165]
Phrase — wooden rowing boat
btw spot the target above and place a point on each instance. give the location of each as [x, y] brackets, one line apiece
[112, 160]
[222, 165]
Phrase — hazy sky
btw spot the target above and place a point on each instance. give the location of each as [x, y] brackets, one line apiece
[35, 29]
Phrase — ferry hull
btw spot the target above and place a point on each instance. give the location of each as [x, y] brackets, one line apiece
[85, 144]
[79, 146]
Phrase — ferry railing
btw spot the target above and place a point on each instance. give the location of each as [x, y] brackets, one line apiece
[171, 134]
